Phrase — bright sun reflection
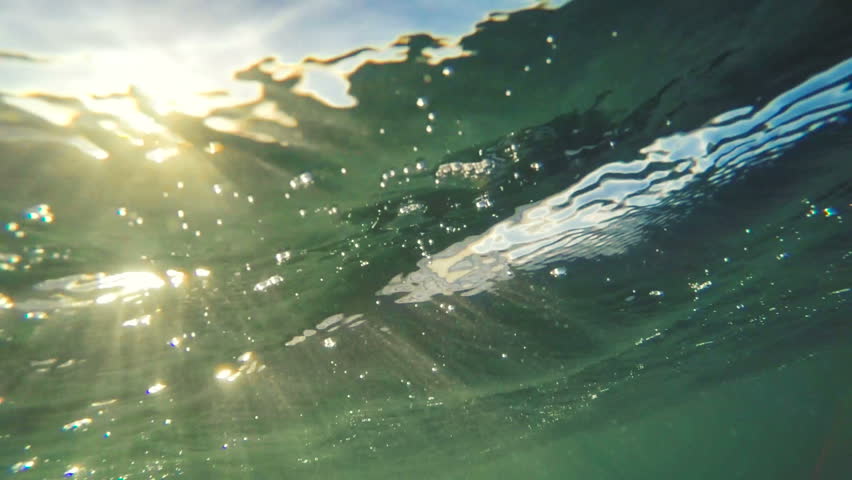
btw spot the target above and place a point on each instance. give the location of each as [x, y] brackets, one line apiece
[176, 277]
[75, 291]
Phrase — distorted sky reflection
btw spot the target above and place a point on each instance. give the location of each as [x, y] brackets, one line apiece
[601, 214]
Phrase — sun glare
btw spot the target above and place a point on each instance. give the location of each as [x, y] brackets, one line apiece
[168, 82]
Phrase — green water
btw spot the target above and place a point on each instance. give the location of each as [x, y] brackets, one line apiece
[596, 240]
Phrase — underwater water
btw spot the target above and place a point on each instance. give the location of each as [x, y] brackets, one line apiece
[592, 239]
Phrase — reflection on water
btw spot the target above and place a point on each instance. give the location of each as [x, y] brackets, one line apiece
[604, 213]
[273, 240]
[84, 290]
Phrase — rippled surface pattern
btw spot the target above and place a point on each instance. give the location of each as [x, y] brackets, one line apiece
[583, 239]
[603, 213]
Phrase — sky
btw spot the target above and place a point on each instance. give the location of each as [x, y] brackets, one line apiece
[173, 49]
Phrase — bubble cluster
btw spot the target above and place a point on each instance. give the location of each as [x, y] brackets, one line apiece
[303, 180]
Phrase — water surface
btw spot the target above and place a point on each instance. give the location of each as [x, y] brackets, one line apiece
[595, 239]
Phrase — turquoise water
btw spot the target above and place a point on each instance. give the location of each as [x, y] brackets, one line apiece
[584, 240]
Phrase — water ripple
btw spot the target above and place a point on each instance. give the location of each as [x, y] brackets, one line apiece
[605, 212]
